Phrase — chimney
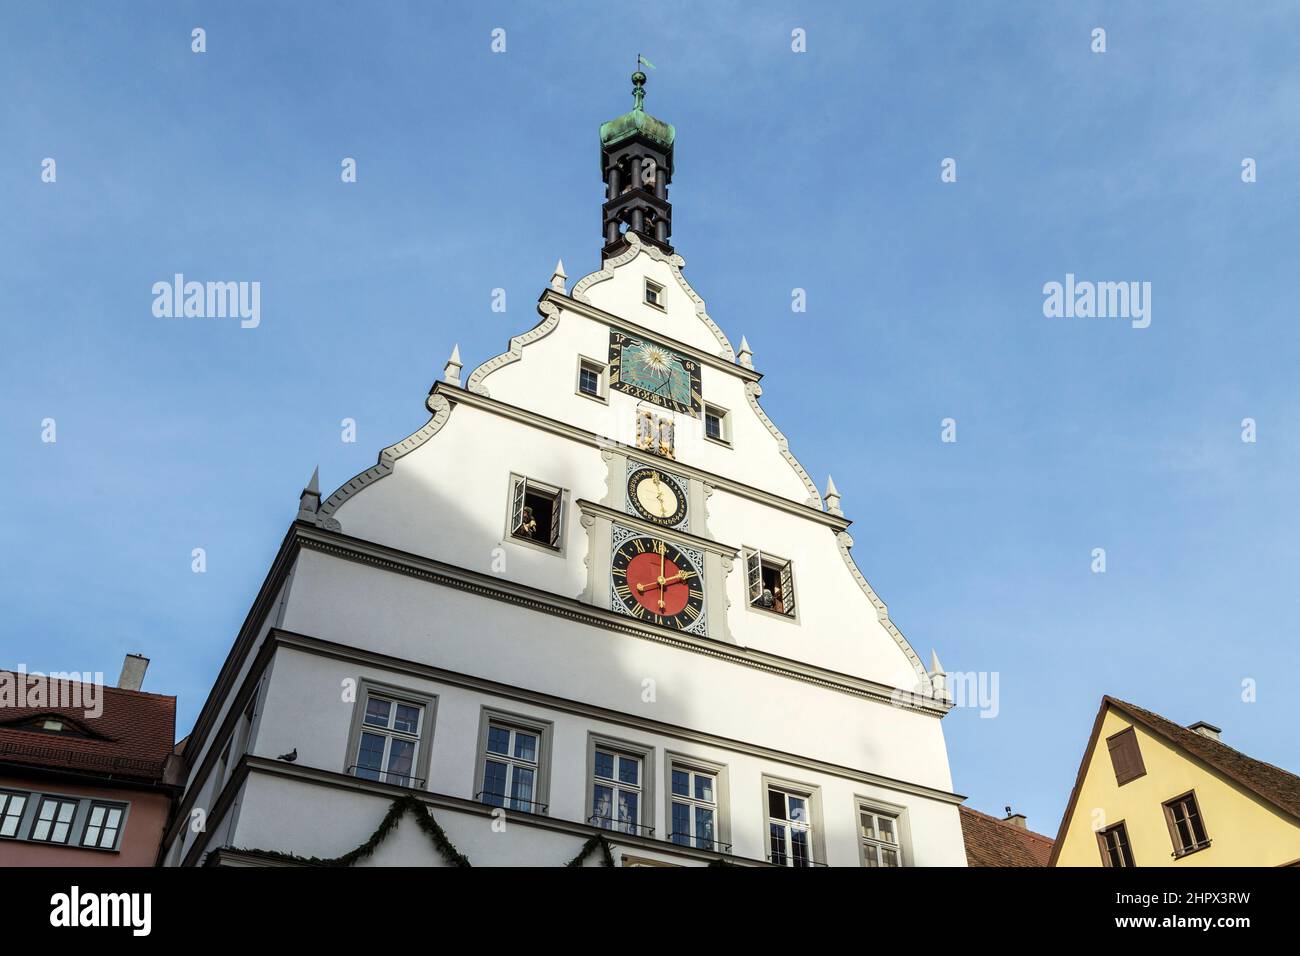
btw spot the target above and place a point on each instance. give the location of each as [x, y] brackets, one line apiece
[133, 669]
[1205, 730]
[1016, 819]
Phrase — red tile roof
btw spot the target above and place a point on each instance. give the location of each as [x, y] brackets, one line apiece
[994, 842]
[1273, 784]
[132, 737]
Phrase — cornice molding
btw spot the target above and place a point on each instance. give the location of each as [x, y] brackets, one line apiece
[676, 263]
[581, 435]
[340, 545]
[596, 314]
[550, 319]
[321, 647]
[588, 507]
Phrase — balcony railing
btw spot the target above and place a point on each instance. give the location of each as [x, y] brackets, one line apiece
[699, 843]
[786, 859]
[511, 803]
[386, 776]
[620, 826]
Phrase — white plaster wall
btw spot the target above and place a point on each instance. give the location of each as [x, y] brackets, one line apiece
[415, 620]
[304, 709]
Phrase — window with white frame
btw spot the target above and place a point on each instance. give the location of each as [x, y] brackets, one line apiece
[510, 767]
[694, 807]
[103, 825]
[654, 294]
[536, 511]
[53, 822]
[878, 832]
[789, 824]
[717, 424]
[11, 812]
[616, 790]
[770, 581]
[389, 740]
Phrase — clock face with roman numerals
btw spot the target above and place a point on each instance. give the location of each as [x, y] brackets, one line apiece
[654, 580]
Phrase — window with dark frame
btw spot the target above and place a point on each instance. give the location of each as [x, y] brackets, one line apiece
[11, 812]
[589, 380]
[1114, 846]
[1186, 828]
[535, 512]
[103, 825]
[771, 582]
[53, 822]
[1125, 756]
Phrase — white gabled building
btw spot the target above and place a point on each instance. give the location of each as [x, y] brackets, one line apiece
[593, 608]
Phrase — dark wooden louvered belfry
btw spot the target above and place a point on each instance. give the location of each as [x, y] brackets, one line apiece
[636, 162]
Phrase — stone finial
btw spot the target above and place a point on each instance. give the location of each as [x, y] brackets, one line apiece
[832, 497]
[451, 371]
[746, 354]
[309, 500]
[558, 278]
[938, 678]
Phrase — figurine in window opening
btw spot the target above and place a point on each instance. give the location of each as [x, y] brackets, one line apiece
[772, 599]
[645, 430]
[667, 436]
[528, 527]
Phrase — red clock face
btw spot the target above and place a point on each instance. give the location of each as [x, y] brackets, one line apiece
[656, 582]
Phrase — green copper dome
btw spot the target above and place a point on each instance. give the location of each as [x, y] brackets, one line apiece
[637, 121]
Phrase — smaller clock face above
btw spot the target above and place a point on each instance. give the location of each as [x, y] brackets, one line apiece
[656, 497]
[656, 582]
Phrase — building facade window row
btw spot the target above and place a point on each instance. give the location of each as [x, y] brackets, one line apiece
[62, 820]
[391, 740]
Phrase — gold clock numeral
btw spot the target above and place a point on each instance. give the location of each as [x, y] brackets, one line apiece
[691, 612]
[624, 592]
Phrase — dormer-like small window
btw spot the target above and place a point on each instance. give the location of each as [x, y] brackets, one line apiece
[654, 294]
[536, 511]
[770, 581]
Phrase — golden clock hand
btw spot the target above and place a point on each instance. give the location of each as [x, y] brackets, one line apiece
[663, 551]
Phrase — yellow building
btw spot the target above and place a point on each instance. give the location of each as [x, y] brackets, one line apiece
[1153, 793]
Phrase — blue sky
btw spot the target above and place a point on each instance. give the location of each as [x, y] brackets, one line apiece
[818, 171]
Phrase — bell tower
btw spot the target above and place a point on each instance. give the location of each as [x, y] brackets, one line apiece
[636, 162]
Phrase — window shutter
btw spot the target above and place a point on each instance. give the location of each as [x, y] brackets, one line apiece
[787, 588]
[517, 505]
[1125, 756]
[556, 504]
[754, 572]
[1101, 845]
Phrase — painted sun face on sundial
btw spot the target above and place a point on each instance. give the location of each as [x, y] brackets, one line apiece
[654, 373]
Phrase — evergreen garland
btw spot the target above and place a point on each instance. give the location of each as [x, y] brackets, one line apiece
[597, 840]
[409, 804]
[402, 805]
